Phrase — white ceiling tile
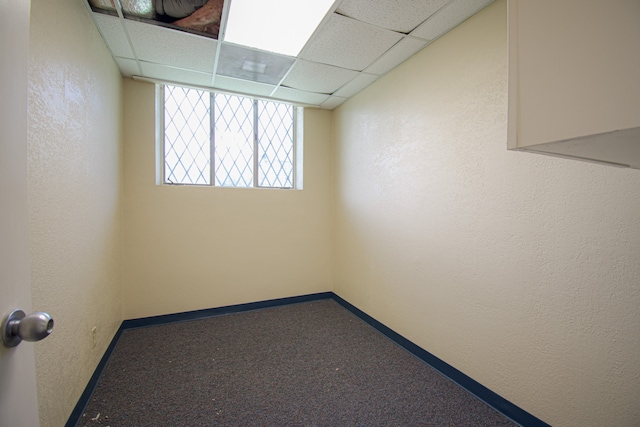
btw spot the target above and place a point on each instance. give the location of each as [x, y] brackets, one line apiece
[254, 65]
[448, 18]
[399, 15]
[360, 35]
[314, 77]
[299, 96]
[347, 43]
[128, 67]
[113, 34]
[242, 86]
[332, 102]
[396, 55]
[356, 85]
[176, 75]
[166, 46]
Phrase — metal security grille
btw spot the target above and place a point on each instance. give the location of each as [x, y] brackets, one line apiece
[249, 142]
[234, 138]
[187, 136]
[275, 144]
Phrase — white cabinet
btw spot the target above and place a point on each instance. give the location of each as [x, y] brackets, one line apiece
[574, 79]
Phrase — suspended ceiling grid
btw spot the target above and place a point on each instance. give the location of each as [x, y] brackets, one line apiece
[356, 43]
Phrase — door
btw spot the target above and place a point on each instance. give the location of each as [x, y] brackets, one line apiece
[18, 401]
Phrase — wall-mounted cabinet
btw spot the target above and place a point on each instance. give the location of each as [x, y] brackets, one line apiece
[574, 79]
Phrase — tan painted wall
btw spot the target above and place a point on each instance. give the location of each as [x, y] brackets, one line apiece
[521, 270]
[189, 248]
[75, 214]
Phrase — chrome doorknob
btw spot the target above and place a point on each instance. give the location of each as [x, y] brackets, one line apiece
[17, 327]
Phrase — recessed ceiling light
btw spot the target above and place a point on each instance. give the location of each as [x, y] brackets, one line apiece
[281, 26]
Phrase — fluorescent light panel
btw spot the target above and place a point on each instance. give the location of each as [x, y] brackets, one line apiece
[280, 26]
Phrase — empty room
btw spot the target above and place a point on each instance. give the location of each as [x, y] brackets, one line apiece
[442, 191]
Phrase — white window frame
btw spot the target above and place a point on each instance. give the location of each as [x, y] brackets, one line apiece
[297, 155]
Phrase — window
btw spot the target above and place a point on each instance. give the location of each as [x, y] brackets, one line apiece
[249, 142]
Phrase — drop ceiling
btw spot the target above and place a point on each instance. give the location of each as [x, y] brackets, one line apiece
[357, 42]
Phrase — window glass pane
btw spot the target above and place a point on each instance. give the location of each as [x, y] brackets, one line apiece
[186, 136]
[233, 141]
[252, 141]
[275, 144]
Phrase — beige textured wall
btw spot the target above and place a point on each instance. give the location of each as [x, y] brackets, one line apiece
[75, 167]
[521, 270]
[189, 248]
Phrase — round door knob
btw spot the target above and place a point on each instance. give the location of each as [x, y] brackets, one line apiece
[17, 327]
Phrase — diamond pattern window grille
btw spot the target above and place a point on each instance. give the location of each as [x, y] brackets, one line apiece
[234, 138]
[275, 144]
[249, 142]
[186, 136]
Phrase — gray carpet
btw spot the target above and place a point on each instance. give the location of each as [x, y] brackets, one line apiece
[308, 364]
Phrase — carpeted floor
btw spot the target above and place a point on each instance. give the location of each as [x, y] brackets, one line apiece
[308, 364]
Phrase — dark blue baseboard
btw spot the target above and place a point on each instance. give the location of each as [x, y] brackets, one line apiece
[78, 410]
[230, 309]
[492, 399]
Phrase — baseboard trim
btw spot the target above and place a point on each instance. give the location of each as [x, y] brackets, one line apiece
[508, 409]
[78, 410]
[218, 311]
[76, 415]
[497, 402]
